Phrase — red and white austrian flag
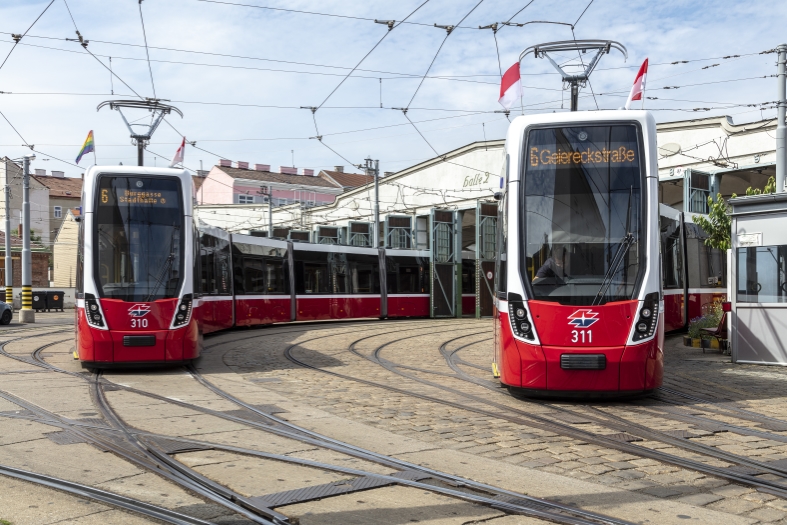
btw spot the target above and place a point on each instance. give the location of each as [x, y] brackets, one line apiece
[178, 158]
[510, 87]
[638, 89]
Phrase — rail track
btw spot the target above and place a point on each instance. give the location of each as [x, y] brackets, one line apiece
[747, 473]
[144, 450]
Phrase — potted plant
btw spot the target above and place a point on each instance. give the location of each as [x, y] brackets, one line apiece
[696, 337]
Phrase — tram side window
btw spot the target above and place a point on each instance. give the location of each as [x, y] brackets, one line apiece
[312, 275]
[276, 277]
[672, 254]
[468, 276]
[196, 257]
[707, 267]
[207, 248]
[222, 267]
[501, 274]
[407, 275]
[339, 273]
[363, 273]
[80, 281]
[253, 275]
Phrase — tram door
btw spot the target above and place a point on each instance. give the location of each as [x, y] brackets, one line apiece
[444, 264]
[485, 246]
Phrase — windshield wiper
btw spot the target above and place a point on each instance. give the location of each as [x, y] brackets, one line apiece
[623, 249]
[165, 268]
[625, 244]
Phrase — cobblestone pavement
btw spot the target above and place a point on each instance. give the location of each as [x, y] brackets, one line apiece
[430, 414]
[415, 348]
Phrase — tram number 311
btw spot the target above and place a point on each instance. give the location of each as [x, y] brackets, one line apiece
[581, 336]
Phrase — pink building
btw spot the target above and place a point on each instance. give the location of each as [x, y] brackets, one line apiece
[225, 184]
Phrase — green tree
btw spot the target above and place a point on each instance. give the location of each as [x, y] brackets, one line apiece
[718, 224]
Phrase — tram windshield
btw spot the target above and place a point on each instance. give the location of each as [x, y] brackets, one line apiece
[583, 214]
[138, 238]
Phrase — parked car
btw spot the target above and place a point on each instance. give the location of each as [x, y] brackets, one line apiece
[6, 313]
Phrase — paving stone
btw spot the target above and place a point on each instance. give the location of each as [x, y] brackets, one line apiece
[734, 505]
[700, 499]
[767, 515]
[729, 491]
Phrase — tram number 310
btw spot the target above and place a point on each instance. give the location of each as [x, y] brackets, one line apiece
[139, 323]
[581, 336]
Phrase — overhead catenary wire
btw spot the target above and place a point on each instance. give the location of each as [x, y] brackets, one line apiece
[147, 51]
[448, 34]
[370, 52]
[18, 38]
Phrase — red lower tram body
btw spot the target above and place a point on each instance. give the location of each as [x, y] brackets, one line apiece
[152, 343]
[544, 368]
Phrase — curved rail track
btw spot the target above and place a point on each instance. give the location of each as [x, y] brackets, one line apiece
[141, 449]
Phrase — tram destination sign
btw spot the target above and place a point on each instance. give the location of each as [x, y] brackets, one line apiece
[542, 157]
[128, 197]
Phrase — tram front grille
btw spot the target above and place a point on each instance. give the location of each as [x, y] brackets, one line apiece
[583, 361]
[139, 340]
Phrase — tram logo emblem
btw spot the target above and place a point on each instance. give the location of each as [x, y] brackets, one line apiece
[139, 310]
[583, 318]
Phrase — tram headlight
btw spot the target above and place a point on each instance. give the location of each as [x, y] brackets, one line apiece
[517, 315]
[648, 317]
[93, 315]
[183, 312]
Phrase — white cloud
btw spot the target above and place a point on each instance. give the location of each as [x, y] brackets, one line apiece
[665, 32]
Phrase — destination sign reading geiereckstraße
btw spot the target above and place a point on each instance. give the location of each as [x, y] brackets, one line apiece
[543, 157]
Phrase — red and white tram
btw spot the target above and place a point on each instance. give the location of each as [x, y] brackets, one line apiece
[694, 275]
[578, 287]
[152, 281]
[135, 276]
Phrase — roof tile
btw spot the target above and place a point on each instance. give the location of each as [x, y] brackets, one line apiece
[349, 180]
[269, 176]
[65, 187]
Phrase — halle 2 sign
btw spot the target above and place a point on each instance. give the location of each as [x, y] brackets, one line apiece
[476, 180]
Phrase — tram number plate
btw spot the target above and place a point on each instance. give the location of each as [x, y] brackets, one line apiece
[581, 336]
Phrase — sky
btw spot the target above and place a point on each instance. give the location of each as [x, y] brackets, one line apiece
[242, 70]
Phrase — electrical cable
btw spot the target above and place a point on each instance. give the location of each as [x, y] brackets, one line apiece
[367, 55]
[583, 14]
[26, 143]
[243, 57]
[17, 38]
[70, 15]
[147, 52]
[448, 33]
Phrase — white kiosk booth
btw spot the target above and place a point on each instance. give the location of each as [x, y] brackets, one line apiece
[758, 324]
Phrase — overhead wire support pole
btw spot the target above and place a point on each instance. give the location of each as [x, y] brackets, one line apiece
[781, 114]
[26, 314]
[9, 270]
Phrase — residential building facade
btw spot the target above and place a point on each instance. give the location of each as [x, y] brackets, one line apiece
[241, 184]
[64, 193]
[64, 251]
[11, 174]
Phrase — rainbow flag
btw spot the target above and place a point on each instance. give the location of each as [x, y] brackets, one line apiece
[87, 147]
